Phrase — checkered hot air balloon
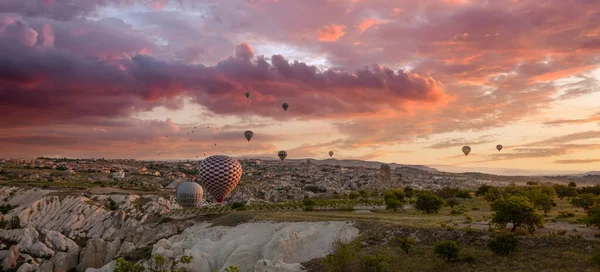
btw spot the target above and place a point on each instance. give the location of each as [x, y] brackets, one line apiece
[285, 106]
[219, 175]
[282, 154]
[248, 135]
[330, 154]
[188, 194]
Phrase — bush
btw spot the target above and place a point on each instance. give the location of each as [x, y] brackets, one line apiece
[469, 259]
[309, 202]
[124, 266]
[406, 244]
[584, 201]
[453, 201]
[482, 190]
[428, 202]
[374, 263]
[353, 195]
[394, 199]
[238, 206]
[343, 257]
[232, 268]
[504, 244]
[447, 249]
[595, 259]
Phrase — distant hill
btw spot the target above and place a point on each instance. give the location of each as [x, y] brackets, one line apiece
[345, 163]
[504, 171]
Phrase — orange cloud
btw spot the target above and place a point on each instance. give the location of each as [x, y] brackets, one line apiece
[331, 33]
[368, 23]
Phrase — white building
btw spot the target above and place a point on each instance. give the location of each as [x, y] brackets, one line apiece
[118, 175]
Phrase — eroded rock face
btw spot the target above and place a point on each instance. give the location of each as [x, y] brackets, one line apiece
[9, 257]
[265, 246]
[93, 255]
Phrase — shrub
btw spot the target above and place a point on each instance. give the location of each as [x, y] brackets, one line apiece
[238, 206]
[346, 208]
[482, 190]
[406, 244]
[124, 266]
[504, 244]
[593, 215]
[394, 199]
[584, 201]
[343, 257]
[232, 268]
[595, 259]
[469, 259]
[428, 202]
[309, 202]
[453, 201]
[374, 263]
[563, 214]
[447, 249]
[353, 195]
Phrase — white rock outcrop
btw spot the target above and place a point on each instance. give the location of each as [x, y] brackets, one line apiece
[262, 246]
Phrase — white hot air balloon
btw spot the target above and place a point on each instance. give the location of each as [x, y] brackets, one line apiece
[189, 194]
[466, 149]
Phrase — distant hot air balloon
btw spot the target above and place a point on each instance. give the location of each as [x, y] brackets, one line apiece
[247, 94]
[282, 154]
[220, 174]
[207, 126]
[285, 106]
[466, 149]
[194, 127]
[248, 135]
[330, 154]
[189, 194]
[196, 157]
[215, 144]
[205, 154]
[499, 147]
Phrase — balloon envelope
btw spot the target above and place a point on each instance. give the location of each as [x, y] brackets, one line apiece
[330, 153]
[466, 149]
[499, 147]
[189, 194]
[247, 94]
[248, 135]
[285, 106]
[282, 154]
[220, 174]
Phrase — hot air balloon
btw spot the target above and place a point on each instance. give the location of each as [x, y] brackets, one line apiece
[205, 154]
[282, 154]
[220, 174]
[215, 144]
[499, 147]
[285, 106]
[196, 157]
[330, 154]
[247, 94]
[248, 135]
[466, 149]
[189, 194]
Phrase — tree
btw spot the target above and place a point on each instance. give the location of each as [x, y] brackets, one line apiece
[354, 195]
[517, 210]
[453, 201]
[447, 249]
[483, 189]
[584, 201]
[504, 244]
[406, 244]
[563, 191]
[572, 184]
[394, 199]
[493, 194]
[409, 192]
[428, 202]
[541, 199]
[593, 217]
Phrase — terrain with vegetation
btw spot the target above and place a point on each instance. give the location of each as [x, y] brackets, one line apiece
[302, 215]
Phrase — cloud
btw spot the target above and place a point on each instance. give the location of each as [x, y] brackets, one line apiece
[461, 142]
[581, 161]
[368, 23]
[591, 119]
[569, 138]
[331, 33]
[53, 86]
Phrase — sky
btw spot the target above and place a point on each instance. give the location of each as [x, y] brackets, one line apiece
[401, 81]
